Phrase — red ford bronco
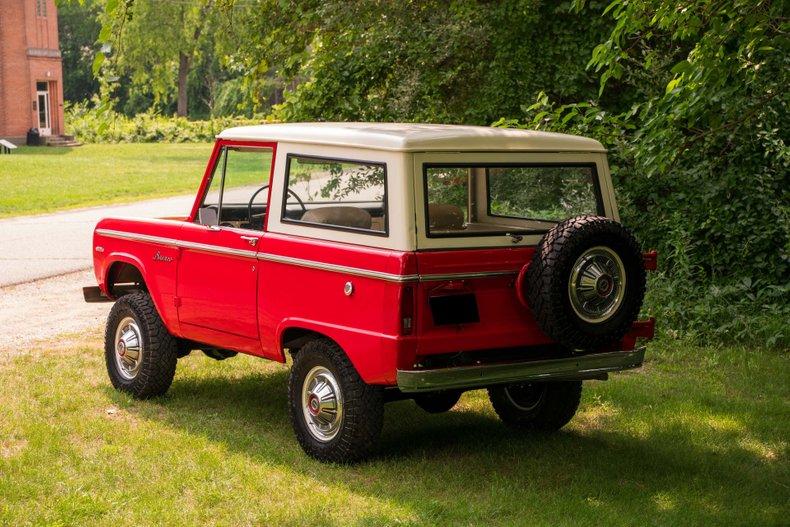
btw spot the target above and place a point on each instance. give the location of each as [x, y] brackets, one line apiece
[390, 261]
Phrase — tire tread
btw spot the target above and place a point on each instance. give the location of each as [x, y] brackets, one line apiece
[160, 348]
[363, 406]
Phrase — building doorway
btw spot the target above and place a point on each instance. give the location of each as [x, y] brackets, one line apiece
[42, 103]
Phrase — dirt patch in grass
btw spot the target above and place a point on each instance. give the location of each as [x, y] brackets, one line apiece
[11, 447]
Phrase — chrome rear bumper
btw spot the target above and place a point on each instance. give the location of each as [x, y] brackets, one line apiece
[591, 366]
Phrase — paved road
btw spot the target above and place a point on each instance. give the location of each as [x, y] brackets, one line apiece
[36, 247]
[44, 262]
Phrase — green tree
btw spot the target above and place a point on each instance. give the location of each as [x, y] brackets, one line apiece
[462, 61]
[78, 30]
[155, 45]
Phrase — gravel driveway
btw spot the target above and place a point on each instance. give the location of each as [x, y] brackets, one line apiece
[45, 261]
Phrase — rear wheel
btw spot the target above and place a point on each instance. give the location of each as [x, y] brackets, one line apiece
[336, 416]
[543, 406]
[139, 352]
[437, 402]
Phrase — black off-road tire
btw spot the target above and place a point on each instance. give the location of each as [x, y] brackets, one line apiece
[159, 348]
[438, 402]
[363, 405]
[555, 407]
[549, 273]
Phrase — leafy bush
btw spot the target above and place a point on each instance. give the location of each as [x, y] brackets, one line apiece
[741, 310]
[700, 162]
[99, 125]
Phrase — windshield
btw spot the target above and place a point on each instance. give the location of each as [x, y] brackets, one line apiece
[489, 199]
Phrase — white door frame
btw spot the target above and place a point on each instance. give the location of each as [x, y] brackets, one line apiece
[45, 126]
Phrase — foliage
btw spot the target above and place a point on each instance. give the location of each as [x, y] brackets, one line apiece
[101, 125]
[740, 310]
[78, 29]
[463, 61]
[169, 56]
[700, 162]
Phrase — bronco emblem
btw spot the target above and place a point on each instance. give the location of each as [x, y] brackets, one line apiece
[161, 258]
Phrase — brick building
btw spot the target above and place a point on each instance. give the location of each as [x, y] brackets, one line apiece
[31, 76]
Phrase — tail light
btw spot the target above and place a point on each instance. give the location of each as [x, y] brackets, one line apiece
[407, 310]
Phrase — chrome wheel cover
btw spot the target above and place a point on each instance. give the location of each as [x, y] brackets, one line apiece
[128, 348]
[322, 404]
[597, 284]
[525, 396]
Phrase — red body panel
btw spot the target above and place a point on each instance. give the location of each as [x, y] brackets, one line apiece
[217, 291]
[159, 274]
[365, 324]
[504, 322]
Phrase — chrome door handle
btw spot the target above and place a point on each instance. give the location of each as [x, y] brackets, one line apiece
[252, 240]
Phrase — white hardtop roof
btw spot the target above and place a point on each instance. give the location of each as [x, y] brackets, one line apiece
[409, 137]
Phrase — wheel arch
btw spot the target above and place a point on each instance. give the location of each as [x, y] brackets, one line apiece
[373, 355]
[292, 338]
[124, 273]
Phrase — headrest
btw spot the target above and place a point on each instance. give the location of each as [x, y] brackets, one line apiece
[339, 215]
[445, 217]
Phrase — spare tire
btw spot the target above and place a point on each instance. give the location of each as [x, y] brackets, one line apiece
[586, 282]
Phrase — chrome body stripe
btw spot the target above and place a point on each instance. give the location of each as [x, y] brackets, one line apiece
[171, 242]
[464, 276]
[338, 268]
[136, 237]
[289, 260]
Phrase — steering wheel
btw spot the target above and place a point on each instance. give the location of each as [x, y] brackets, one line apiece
[255, 194]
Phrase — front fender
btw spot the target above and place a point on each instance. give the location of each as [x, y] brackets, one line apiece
[161, 297]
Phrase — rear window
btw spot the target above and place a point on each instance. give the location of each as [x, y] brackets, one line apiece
[484, 200]
[336, 194]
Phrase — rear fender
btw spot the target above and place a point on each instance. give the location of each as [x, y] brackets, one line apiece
[374, 355]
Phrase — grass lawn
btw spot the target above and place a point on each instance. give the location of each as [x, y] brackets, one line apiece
[45, 179]
[699, 437]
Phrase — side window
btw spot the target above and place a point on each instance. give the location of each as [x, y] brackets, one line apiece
[238, 189]
[339, 194]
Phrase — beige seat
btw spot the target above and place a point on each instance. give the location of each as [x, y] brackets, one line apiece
[445, 217]
[339, 215]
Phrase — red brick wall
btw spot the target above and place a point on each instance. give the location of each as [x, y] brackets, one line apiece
[29, 53]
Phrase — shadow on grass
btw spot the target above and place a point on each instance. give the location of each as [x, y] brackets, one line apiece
[465, 466]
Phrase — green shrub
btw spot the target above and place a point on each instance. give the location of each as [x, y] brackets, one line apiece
[744, 310]
[700, 160]
[98, 125]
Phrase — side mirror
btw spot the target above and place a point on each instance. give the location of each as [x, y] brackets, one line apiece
[208, 216]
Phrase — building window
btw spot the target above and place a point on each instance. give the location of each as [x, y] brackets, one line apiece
[41, 7]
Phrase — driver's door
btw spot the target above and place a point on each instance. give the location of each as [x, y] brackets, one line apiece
[217, 269]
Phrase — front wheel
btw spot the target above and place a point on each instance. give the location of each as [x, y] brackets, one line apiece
[542, 406]
[336, 416]
[140, 353]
